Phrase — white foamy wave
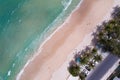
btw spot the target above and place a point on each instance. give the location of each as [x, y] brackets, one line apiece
[26, 49]
[21, 72]
[66, 3]
[12, 12]
[19, 75]
[9, 72]
[13, 65]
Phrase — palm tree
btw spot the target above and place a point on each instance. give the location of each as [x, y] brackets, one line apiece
[108, 38]
[87, 55]
[94, 51]
[98, 58]
[91, 65]
[84, 60]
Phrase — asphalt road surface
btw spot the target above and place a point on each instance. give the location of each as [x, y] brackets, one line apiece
[102, 68]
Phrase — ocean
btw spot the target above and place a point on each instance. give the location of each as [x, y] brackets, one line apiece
[24, 25]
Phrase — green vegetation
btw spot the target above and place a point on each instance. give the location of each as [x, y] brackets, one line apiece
[86, 58]
[91, 65]
[82, 76]
[118, 75]
[108, 38]
[98, 58]
[94, 51]
[74, 70]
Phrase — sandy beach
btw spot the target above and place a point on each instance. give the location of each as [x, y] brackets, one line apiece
[56, 50]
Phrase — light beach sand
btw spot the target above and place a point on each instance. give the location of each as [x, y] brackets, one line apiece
[62, 73]
[56, 50]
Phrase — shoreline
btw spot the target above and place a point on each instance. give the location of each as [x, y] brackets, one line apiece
[67, 21]
[48, 38]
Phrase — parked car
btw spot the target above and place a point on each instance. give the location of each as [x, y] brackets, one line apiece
[88, 68]
[85, 71]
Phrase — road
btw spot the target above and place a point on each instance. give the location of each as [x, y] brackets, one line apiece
[102, 68]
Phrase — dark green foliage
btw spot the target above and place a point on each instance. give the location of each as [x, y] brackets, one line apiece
[98, 58]
[94, 51]
[84, 60]
[82, 76]
[91, 65]
[74, 70]
[108, 38]
[118, 75]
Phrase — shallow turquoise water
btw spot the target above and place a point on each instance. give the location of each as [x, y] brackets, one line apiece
[24, 24]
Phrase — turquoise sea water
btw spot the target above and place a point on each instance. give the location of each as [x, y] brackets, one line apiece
[24, 25]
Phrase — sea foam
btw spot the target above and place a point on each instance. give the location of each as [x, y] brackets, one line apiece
[9, 72]
[66, 3]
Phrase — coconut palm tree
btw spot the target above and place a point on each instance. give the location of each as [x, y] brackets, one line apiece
[87, 55]
[94, 51]
[84, 60]
[98, 58]
[91, 65]
[108, 38]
